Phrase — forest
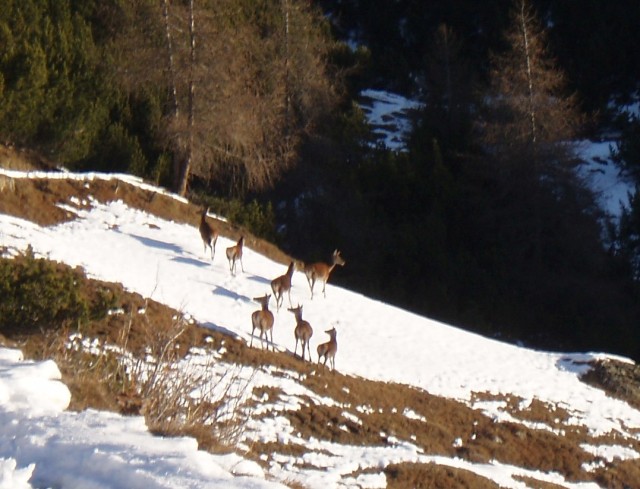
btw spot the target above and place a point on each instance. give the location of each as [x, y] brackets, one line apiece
[251, 107]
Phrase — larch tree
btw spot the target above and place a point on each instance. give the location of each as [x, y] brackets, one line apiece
[245, 81]
[529, 124]
[530, 114]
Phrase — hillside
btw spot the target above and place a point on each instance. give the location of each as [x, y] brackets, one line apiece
[412, 403]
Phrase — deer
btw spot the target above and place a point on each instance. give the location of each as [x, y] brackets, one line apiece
[208, 233]
[321, 271]
[234, 254]
[328, 350]
[262, 320]
[303, 331]
[282, 284]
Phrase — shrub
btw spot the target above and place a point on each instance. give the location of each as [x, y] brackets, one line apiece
[257, 218]
[37, 294]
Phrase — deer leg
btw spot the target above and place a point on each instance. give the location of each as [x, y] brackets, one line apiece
[310, 285]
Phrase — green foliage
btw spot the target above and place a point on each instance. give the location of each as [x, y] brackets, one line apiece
[628, 237]
[256, 217]
[39, 295]
[627, 153]
[118, 151]
[53, 96]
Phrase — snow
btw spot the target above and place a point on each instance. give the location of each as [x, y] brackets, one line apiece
[604, 177]
[389, 115]
[44, 445]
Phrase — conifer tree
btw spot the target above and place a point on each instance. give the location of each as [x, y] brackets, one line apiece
[530, 120]
[245, 82]
[530, 112]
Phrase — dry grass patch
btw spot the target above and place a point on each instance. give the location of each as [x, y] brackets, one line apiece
[620, 475]
[620, 380]
[536, 483]
[432, 476]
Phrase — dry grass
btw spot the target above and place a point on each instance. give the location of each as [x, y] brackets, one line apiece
[431, 476]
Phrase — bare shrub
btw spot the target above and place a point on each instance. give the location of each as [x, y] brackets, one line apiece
[182, 390]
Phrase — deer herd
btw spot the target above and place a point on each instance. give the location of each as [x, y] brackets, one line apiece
[263, 319]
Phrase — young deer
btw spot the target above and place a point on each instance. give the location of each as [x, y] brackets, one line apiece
[321, 271]
[303, 331]
[234, 253]
[328, 350]
[208, 233]
[262, 320]
[282, 284]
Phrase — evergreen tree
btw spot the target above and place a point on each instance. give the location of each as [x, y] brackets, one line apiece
[52, 94]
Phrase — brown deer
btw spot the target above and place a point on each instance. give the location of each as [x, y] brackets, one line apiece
[208, 233]
[321, 271]
[262, 320]
[282, 284]
[234, 254]
[303, 331]
[328, 350]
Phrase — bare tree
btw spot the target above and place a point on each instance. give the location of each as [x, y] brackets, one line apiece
[530, 112]
[530, 121]
[259, 74]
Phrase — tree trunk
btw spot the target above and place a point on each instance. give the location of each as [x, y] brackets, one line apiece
[524, 24]
[185, 167]
[177, 157]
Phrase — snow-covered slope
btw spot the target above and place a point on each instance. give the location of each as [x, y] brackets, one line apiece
[165, 260]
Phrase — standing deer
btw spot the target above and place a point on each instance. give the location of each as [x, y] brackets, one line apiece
[234, 254]
[262, 320]
[328, 350]
[208, 233]
[321, 271]
[282, 284]
[303, 331]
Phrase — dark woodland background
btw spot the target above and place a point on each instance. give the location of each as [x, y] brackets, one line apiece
[253, 106]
